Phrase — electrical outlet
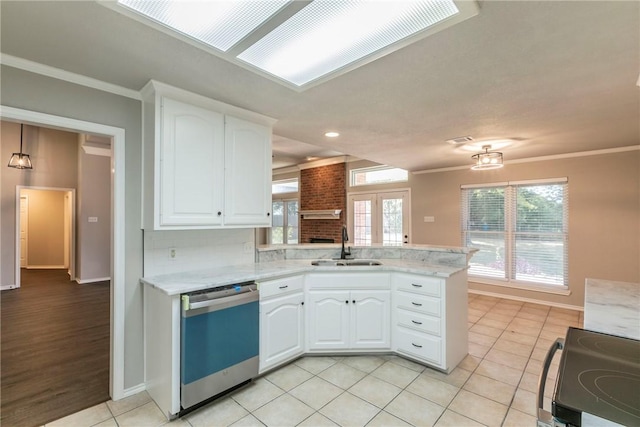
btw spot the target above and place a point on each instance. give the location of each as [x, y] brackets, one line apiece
[248, 247]
[172, 253]
[429, 219]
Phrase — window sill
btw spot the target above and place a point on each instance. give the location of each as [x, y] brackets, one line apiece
[547, 289]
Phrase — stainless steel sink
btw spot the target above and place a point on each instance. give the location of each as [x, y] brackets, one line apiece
[345, 262]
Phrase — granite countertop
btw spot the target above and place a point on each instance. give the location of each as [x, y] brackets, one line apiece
[612, 307]
[178, 283]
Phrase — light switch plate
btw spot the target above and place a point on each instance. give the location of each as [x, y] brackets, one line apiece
[429, 219]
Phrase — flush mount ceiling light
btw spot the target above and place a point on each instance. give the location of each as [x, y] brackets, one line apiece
[219, 24]
[487, 160]
[20, 160]
[301, 44]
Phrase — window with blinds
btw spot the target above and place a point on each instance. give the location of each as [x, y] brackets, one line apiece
[520, 229]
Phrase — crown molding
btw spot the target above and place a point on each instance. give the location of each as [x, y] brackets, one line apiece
[541, 158]
[57, 73]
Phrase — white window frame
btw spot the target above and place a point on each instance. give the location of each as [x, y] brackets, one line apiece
[510, 233]
[354, 172]
[285, 220]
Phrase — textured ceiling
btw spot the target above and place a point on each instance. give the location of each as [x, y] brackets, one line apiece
[556, 77]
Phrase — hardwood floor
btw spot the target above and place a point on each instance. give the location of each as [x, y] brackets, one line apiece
[54, 348]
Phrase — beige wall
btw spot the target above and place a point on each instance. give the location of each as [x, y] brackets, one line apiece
[604, 215]
[46, 244]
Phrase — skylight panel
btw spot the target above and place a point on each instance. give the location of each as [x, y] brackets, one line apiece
[220, 24]
[328, 35]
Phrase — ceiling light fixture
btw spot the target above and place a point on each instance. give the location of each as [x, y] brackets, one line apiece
[299, 43]
[219, 24]
[328, 35]
[487, 160]
[20, 160]
[332, 134]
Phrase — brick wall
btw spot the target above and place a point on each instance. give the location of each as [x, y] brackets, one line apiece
[323, 188]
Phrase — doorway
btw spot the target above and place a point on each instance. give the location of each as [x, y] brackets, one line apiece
[117, 294]
[45, 227]
[380, 218]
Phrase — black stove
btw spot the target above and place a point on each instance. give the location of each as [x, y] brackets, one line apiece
[599, 374]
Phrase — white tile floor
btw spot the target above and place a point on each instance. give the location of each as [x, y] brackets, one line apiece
[494, 386]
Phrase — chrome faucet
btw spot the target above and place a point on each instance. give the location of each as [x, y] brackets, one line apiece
[345, 238]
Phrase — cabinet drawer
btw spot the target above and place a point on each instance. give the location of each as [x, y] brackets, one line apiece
[425, 347]
[419, 322]
[419, 303]
[280, 286]
[419, 284]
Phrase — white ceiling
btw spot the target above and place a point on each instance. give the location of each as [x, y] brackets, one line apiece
[555, 77]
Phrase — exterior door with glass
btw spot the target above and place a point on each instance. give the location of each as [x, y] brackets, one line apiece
[380, 218]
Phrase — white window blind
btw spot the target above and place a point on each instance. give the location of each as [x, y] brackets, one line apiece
[520, 230]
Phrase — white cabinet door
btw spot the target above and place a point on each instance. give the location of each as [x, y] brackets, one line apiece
[247, 173]
[191, 165]
[281, 329]
[370, 319]
[328, 320]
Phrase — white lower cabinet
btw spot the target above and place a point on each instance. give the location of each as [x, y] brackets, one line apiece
[348, 319]
[281, 321]
[430, 318]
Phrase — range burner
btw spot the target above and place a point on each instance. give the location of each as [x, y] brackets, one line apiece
[599, 374]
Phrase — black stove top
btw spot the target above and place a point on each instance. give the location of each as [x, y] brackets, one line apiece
[599, 374]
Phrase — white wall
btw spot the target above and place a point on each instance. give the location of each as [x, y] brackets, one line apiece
[196, 249]
[94, 201]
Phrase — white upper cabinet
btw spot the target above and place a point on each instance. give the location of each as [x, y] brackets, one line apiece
[191, 165]
[247, 169]
[206, 164]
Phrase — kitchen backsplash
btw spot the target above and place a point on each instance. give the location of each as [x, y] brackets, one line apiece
[177, 251]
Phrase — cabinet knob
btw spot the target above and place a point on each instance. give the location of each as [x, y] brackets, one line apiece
[354, 301]
[346, 302]
[302, 303]
[268, 213]
[219, 213]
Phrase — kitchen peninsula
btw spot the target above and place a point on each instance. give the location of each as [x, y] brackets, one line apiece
[414, 304]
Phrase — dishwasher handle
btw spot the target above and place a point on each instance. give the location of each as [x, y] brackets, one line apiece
[219, 299]
[545, 418]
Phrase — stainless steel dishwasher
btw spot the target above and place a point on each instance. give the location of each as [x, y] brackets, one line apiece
[219, 346]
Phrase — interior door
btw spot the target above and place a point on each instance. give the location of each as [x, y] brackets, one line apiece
[380, 218]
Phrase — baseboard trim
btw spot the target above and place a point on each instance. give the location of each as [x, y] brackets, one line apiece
[47, 267]
[134, 390]
[522, 299]
[7, 287]
[97, 279]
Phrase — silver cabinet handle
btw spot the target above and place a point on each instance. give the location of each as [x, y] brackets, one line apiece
[416, 322]
[416, 285]
[416, 304]
[416, 345]
[283, 287]
[545, 416]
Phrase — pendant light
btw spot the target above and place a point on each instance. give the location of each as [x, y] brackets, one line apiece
[20, 160]
[487, 160]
